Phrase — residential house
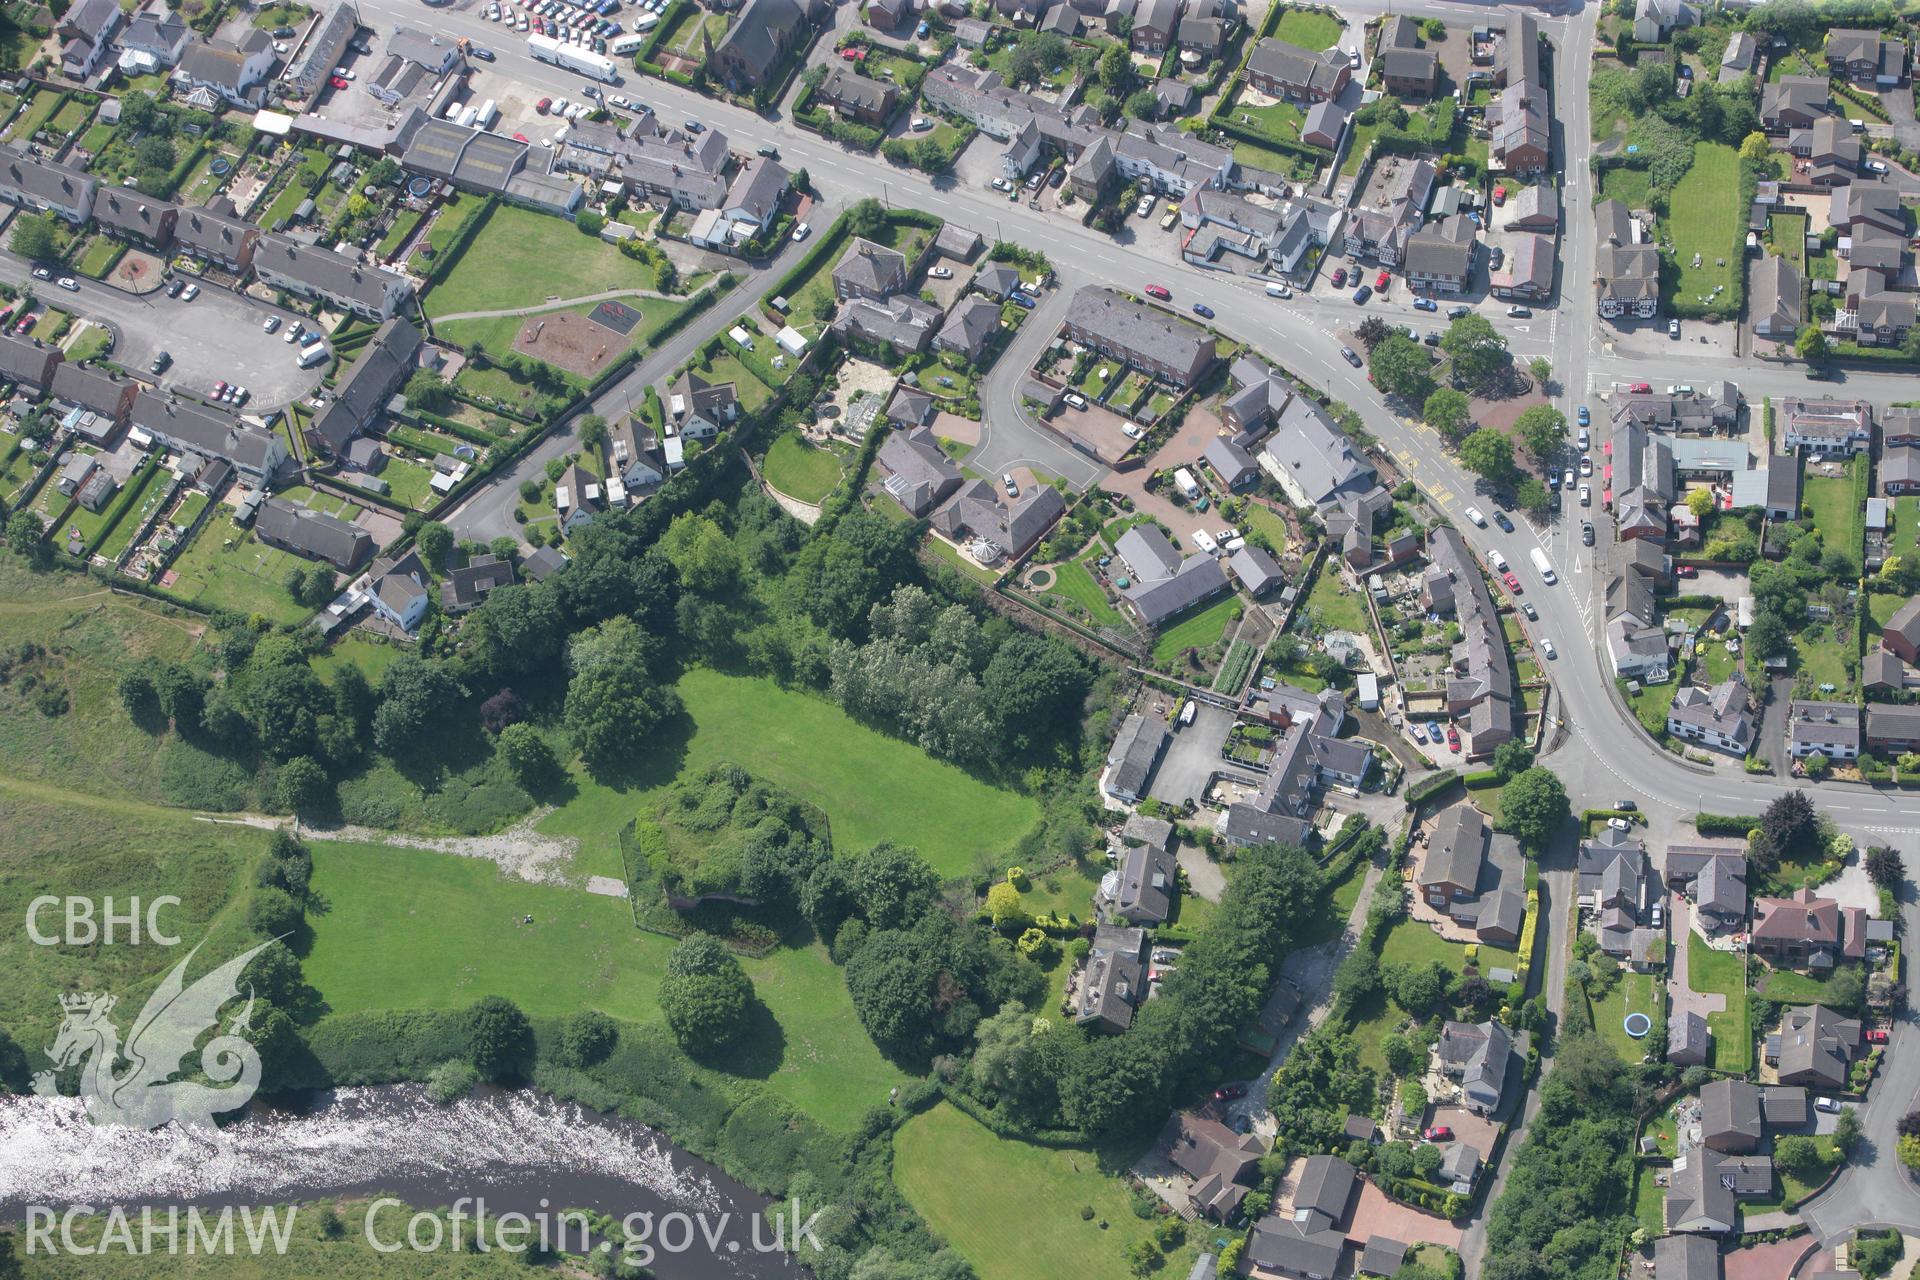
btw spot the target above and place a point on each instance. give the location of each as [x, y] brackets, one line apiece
[858, 98]
[1257, 572]
[1689, 1040]
[1439, 256]
[1222, 1165]
[86, 33]
[1324, 124]
[235, 70]
[1478, 1056]
[1136, 750]
[1618, 885]
[1866, 57]
[1714, 875]
[28, 362]
[1872, 312]
[1282, 70]
[1831, 728]
[1806, 931]
[1736, 1114]
[887, 15]
[43, 186]
[1626, 271]
[309, 271]
[96, 391]
[1774, 292]
[377, 373]
[157, 37]
[1232, 465]
[1867, 204]
[753, 201]
[1155, 23]
[1793, 102]
[314, 534]
[1398, 197]
[1407, 67]
[1741, 57]
[1705, 1188]
[970, 326]
[473, 581]
[976, 516]
[216, 234]
[578, 497]
[869, 270]
[698, 409]
[636, 457]
[1519, 60]
[398, 590]
[903, 322]
[1164, 583]
[1831, 151]
[1824, 426]
[1882, 675]
[1140, 888]
[920, 475]
[1893, 731]
[1144, 337]
[1114, 980]
[909, 407]
[1720, 718]
[758, 41]
[189, 427]
[1474, 875]
[1525, 273]
[1481, 696]
[1520, 131]
[1655, 20]
[1815, 1046]
[1309, 1243]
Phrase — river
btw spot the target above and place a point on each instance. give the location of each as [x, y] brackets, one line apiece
[522, 1152]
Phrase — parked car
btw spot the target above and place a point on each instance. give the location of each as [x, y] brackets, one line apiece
[1586, 532]
[1159, 291]
[1500, 518]
[1586, 464]
[801, 231]
[1229, 1092]
[1361, 295]
[1830, 1105]
[1685, 571]
[1533, 614]
[1339, 277]
[1877, 1035]
[1586, 496]
[1453, 744]
[1351, 356]
[1001, 184]
[940, 273]
[1438, 1133]
[1454, 313]
[160, 362]
[189, 293]
[1381, 281]
[1006, 479]
[1425, 304]
[43, 273]
[1144, 207]
[270, 323]
[338, 82]
[1519, 312]
[694, 126]
[1202, 310]
[1546, 647]
[1583, 416]
[69, 284]
[1673, 330]
[1512, 580]
[1474, 514]
[1640, 388]
[771, 153]
[485, 55]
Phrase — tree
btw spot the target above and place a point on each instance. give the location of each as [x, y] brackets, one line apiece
[1817, 765]
[499, 1039]
[1414, 987]
[1754, 148]
[1885, 867]
[1446, 411]
[1535, 805]
[1796, 1154]
[1488, 453]
[428, 390]
[301, 786]
[1116, 70]
[1846, 1132]
[154, 153]
[1475, 347]
[1533, 496]
[705, 995]
[613, 703]
[139, 112]
[1004, 906]
[893, 885]
[1543, 427]
[1511, 758]
[1790, 823]
[14, 1075]
[593, 431]
[435, 541]
[25, 531]
[526, 754]
[1399, 366]
[413, 692]
[1034, 683]
[137, 694]
[37, 238]
[272, 913]
[707, 559]
[1542, 370]
[1700, 503]
[1909, 1151]
[585, 1039]
[1810, 343]
[1141, 104]
[1768, 636]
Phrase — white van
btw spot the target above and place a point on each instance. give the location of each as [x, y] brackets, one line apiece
[313, 355]
[1279, 291]
[1499, 561]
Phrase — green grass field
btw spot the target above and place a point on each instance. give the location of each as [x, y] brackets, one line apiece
[1835, 515]
[1631, 187]
[1632, 993]
[1014, 1210]
[521, 258]
[1705, 218]
[1335, 607]
[1308, 30]
[801, 470]
[375, 949]
[1198, 628]
[1414, 943]
[227, 567]
[872, 787]
[1074, 581]
[1258, 518]
[1726, 973]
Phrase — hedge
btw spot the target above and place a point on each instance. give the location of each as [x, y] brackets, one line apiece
[1431, 786]
[1527, 931]
[1720, 824]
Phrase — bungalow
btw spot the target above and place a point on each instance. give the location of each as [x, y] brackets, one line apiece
[1324, 124]
[1736, 1114]
[1140, 890]
[636, 457]
[698, 409]
[314, 534]
[1774, 298]
[1164, 583]
[472, 582]
[1222, 1165]
[1136, 751]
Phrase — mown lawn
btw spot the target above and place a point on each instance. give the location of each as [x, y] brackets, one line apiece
[1308, 30]
[1335, 607]
[1198, 628]
[1013, 1210]
[1836, 515]
[799, 469]
[1632, 993]
[1075, 582]
[1257, 518]
[521, 258]
[227, 567]
[872, 787]
[1705, 218]
[411, 929]
[1726, 973]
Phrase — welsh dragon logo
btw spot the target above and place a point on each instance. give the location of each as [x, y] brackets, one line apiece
[133, 1084]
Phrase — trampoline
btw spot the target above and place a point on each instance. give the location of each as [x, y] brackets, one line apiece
[1637, 1025]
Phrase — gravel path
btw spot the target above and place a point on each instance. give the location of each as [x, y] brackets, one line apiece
[519, 850]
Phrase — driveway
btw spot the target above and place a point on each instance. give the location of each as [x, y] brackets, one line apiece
[1193, 756]
[1679, 987]
[1205, 879]
[1376, 1215]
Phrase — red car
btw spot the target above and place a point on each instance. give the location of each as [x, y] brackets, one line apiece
[1159, 291]
[219, 389]
[1381, 281]
[1439, 1132]
[1229, 1092]
[542, 105]
[1685, 571]
[1639, 389]
[1500, 194]
[1513, 583]
[1875, 1035]
[854, 55]
[1339, 277]
[1453, 738]
[338, 82]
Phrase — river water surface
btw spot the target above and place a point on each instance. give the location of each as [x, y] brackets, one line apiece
[523, 1152]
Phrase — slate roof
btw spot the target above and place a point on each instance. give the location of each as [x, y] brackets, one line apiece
[920, 474]
[1163, 582]
[312, 532]
[381, 369]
